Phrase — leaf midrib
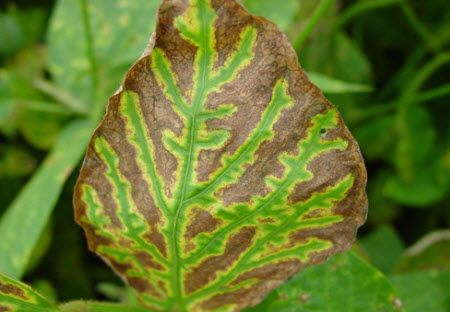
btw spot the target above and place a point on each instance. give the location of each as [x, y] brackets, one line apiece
[197, 102]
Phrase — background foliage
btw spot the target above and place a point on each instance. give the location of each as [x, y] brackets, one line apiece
[384, 63]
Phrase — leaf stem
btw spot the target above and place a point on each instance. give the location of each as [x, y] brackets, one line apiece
[321, 9]
[91, 54]
[61, 96]
[361, 7]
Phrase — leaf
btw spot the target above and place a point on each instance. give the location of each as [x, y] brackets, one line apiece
[374, 145]
[15, 161]
[219, 170]
[281, 13]
[382, 209]
[30, 211]
[17, 296]
[430, 252]
[331, 85]
[424, 291]
[412, 185]
[334, 54]
[40, 128]
[19, 29]
[119, 32]
[384, 247]
[91, 306]
[345, 283]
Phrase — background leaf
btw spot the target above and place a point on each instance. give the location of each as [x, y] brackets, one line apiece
[31, 209]
[118, 32]
[344, 283]
[424, 291]
[281, 13]
[384, 247]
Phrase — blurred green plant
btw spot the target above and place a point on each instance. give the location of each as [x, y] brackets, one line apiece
[384, 63]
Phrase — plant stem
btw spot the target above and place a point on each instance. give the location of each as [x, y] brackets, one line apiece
[321, 9]
[61, 96]
[361, 7]
[91, 56]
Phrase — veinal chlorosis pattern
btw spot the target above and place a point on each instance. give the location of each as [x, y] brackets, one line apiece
[17, 296]
[218, 171]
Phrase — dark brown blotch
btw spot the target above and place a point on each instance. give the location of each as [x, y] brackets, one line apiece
[206, 272]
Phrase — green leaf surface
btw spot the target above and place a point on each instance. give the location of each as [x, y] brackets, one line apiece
[219, 170]
[281, 13]
[430, 252]
[19, 297]
[412, 185]
[384, 247]
[30, 211]
[424, 291]
[331, 85]
[334, 54]
[377, 137]
[90, 48]
[15, 161]
[345, 283]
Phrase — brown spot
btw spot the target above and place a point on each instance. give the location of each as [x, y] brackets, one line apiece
[147, 261]
[143, 286]
[207, 270]
[9, 289]
[266, 220]
[303, 298]
[201, 222]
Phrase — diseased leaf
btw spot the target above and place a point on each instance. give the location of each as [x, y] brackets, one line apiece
[345, 283]
[17, 296]
[219, 170]
[92, 306]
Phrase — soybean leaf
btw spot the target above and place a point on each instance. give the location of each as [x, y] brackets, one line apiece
[424, 291]
[93, 43]
[17, 296]
[430, 252]
[345, 283]
[332, 85]
[412, 185]
[377, 137]
[15, 162]
[31, 209]
[281, 13]
[219, 170]
[384, 247]
[382, 209]
[335, 54]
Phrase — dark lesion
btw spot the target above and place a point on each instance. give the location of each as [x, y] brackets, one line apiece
[12, 290]
[201, 222]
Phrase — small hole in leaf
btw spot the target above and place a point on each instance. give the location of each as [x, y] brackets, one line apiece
[323, 131]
